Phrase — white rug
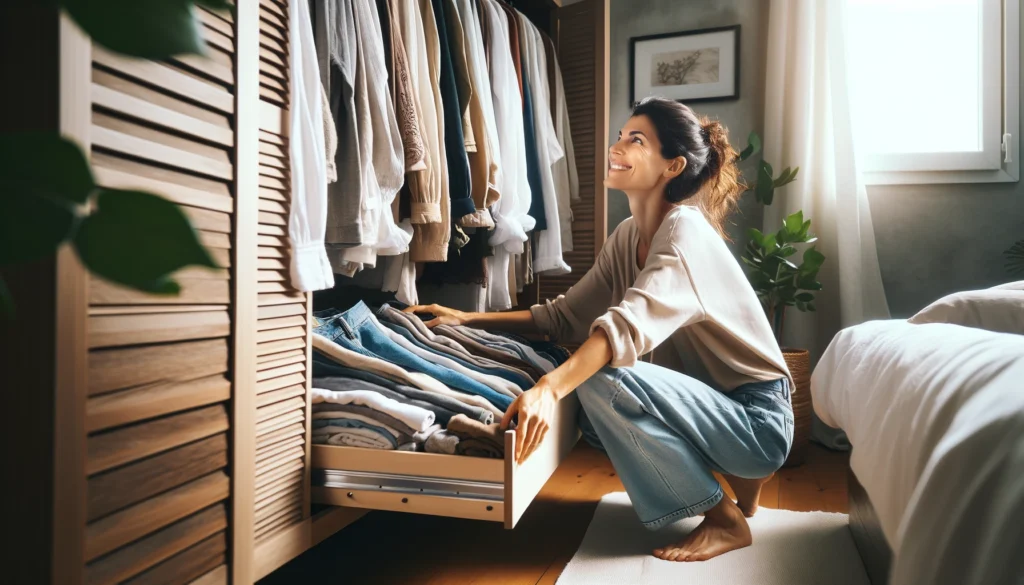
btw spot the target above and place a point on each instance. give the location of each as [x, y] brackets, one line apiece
[790, 548]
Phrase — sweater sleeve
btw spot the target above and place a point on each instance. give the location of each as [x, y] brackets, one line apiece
[568, 317]
[307, 222]
[662, 300]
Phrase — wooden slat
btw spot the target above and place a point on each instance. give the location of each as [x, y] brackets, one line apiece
[205, 219]
[271, 264]
[191, 564]
[273, 32]
[114, 369]
[161, 153]
[275, 311]
[140, 403]
[271, 276]
[273, 44]
[218, 39]
[280, 459]
[274, 396]
[216, 23]
[272, 119]
[269, 412]
[114, 490]
[272, 19]
[269, 171]
[281, 486]
[280, 322]
[119, 173]
[150, 309]
[214, 240]
[272, 183]
[272, 347]
[116, 530]
[269, 477]
[278, 334]
[272, 138]
[277, 422]
[148, 94]
[265, 520]
[273, 218]
[157, 547]
[271, 384]
[160, 116]
[105, 331]
[114, 448]
[168, 79]
[266, 374]
[272, 77]
[218, 576]
[271, 252]
[273, 150]
[273, 450]
[281, 524]
[207, 67]
[292, 430]
[283, 500]
[273, 7]
[282, 359]
[271, 300]
[193, 291]
[271, 230]
[272, 206]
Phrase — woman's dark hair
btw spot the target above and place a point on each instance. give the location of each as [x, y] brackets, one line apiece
[710, 171]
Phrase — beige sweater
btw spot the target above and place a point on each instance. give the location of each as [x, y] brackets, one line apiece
[691, 293]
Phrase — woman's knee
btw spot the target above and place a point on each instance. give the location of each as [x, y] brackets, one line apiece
[602, 385]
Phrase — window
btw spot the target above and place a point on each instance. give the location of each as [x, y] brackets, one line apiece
[934, 89]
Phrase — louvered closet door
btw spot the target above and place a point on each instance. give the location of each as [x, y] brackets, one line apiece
[282, 338]
[583, 56]
[159, 379]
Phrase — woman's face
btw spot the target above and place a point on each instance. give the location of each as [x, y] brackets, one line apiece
[635, 162]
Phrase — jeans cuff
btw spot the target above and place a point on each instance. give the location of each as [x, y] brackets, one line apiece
[687, 511]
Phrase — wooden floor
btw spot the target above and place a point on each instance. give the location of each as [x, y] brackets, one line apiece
[393, 548]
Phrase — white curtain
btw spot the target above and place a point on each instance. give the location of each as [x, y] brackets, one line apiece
[808, 124]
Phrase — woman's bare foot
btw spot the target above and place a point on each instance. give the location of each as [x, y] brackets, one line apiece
[748, 492]
[724, 529]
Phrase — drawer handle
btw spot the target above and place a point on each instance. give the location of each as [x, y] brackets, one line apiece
[405, 500]
[489, 508]
[351, 495]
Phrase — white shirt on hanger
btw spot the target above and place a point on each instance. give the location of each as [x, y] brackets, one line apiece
[307, 222]
[511, 213]
[548, 253]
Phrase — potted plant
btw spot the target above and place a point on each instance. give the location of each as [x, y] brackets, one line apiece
[781, 283]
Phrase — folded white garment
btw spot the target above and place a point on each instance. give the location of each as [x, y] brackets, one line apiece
[418, 418]
[347, 437]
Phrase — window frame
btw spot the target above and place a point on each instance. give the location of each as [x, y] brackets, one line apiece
[1000, 122]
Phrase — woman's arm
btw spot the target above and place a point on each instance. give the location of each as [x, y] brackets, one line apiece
[514, 321]
[536, 407]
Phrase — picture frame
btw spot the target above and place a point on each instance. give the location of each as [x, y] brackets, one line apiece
[687, 66]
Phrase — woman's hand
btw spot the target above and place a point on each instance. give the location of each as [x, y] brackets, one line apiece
[536, 409]
[442, 315]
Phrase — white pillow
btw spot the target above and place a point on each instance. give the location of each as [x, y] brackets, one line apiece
[1000, 310]
[1019, 285]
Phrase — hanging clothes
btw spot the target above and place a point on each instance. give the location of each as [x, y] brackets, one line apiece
[402, 91]
[381, 150]
[429, 191]
[567, 181]
[548, 254]
[512, 220]
[309, 269]
[454, 140]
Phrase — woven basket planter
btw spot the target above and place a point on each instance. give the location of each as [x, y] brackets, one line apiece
[799, 363]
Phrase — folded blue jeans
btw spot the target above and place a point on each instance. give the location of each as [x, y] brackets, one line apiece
[665, 432]
[358, 330]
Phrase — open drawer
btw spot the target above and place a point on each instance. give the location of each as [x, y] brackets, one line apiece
[443, 485]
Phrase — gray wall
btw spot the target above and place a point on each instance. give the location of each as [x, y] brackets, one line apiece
[932, 239]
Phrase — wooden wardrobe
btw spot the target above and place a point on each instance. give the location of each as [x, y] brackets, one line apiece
[165, 440]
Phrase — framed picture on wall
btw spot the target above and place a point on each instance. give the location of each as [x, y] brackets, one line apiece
[688, 66]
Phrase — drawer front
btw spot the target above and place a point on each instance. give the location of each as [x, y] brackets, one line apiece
[498, 490]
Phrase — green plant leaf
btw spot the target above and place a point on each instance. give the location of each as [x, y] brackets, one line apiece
[44, 165]
[215, 4]
[753, 146]
[810, 307]
[813, 259]
[156, 29]
[765, 189]
[794, 222]
[1015, 258]
[6, 301]
[32, 227]
[756, 236]
[787, 251]
[805, 297]
[139, 240]
[783, 178]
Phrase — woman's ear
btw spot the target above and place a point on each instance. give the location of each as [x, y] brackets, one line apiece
[676, 167]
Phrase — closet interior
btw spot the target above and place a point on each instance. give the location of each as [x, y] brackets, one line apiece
[171, 439]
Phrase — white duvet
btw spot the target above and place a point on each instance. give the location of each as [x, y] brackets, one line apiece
[935, 414]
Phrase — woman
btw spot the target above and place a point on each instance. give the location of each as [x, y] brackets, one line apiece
[715, 396]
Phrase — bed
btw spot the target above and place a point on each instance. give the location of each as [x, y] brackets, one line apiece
[935, 417]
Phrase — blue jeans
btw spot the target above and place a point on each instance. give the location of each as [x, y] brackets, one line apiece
[358, 330]
[665, 433]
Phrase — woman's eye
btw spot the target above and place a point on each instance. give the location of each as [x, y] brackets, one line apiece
[637, 140]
